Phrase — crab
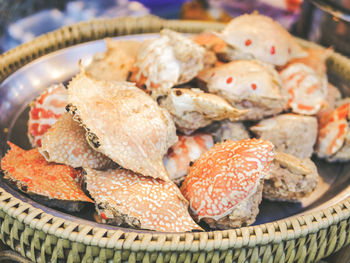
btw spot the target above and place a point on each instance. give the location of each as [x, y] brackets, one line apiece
[307, 91]
[116, 62]
[45, 111]
[247, 84]
[290, 178]
[125, 198]
[290, 133]
[228, 130]
[164, 62]
[224, 186]
[65, 143]
[192, 109]
[262, 38]
[53, 184]
[123, 123]
[184, 152]
[333, 132]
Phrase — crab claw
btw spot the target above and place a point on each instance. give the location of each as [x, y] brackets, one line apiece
[52, 182]
[169, 60]
[45, 111]
[123, 197]
[65, 143]
[333, 128]
[192, 109]
[263, 38]
[225, 176]
[184, 152]
[307, 91]
[247, 84]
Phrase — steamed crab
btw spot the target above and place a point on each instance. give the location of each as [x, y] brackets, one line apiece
[45, 111]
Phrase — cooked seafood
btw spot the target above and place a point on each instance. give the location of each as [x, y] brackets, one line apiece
[228, 130]
[116, 62]
[225, 176]
[333, 129]
[45, 111]
[192, 109]
[65, 143]
[290, 178]
[164, 62]
[307, 91]
[262, 38]
[125, 198]
[184, 152]
[124, 123]
[290, 133]
[52, 184]
[247, 84]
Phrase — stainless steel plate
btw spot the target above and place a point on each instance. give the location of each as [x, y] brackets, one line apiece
[28, 82]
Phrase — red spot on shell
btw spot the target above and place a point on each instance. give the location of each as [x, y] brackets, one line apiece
[254, 86]
[248, 42]
[103, 216]
[289, 51]
[212, 74]
[272, 50]
[229, 80]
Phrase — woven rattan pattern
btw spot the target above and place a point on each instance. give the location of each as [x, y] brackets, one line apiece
[42, 237]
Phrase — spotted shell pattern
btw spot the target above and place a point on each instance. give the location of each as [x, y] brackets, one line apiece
[157, 204]
[40, 177]
[45, 111]
[225, 175]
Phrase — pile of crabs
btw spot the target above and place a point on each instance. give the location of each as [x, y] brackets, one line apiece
[177, 132]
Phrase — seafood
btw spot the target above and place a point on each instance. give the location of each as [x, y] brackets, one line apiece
[307, 91]
[184, 152]
[290, 133]
[290, 178]
[116, 62]
[228, 130]
[192, 109]
[247, 84]
[225, 176]
[333, 129]
[125, 198]
[123, 122]
[45, 111]
[65, 143]
[262, 38]
[50, 183]
[169, 60]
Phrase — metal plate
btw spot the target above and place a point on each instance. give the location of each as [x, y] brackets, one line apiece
[28, 82]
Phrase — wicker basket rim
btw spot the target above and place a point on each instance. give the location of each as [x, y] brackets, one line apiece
[272, 232]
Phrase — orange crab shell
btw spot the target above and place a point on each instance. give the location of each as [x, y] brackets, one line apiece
[156, 204]
[45, 111]
[226, 175]
[34, 174]
[333, 127]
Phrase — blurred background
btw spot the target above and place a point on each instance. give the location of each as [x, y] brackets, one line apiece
[323, 21]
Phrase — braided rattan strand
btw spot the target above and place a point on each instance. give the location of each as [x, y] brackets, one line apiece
[42, 237]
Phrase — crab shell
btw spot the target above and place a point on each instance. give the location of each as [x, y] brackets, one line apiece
[35, 176]
[65, 142]
[192, 109]
[45, 111]
[142, 202]
[226, 175]
[167, 61]
[124, 123]
[116, 62]
[290, 133]
[263, 38]
[307, 91]
[186, 150]
[247, 84]
[333, 128]
[228, 130]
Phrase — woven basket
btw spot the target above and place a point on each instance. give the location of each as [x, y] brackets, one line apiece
[42, 237]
